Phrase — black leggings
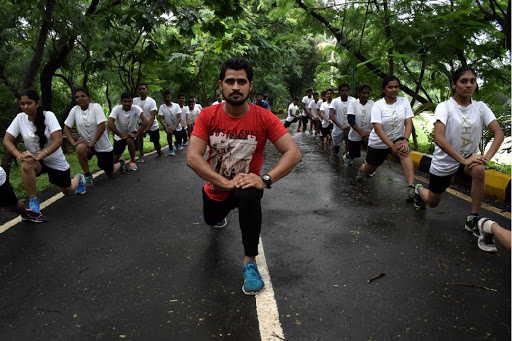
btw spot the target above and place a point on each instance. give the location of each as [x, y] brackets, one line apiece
[248, 202]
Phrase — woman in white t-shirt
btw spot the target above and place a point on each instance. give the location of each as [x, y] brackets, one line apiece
[392, 126]
[458, 129]
[42, 136]
[90, 119]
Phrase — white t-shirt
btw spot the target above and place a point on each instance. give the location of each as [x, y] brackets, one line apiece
[292, 112]
[363, 117]
[392, 117]
[463, 130]
[3, 176]
[306, 101]
[184, 112]
[147, 106]
[192, 114]
[126, 121]
[198, 106]
[314, 108]
[217, 102]
[22, 125]
[170, 114]
[325, 108]
[87, 125]
[341, 112]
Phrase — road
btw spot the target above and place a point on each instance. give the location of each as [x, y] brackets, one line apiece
[132, 259]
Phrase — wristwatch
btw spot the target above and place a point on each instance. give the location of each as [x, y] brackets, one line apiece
[267, 180]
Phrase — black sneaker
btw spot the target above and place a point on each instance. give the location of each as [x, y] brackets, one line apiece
[472, 225]
[418, 202]
[121, 169]
[485, 240]
[33, 216]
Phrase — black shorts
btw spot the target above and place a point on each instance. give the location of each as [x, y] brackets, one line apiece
[288, 123]
[305, 120]
[354, 148]
[120, 145]
[7, 195]
[57, 177]
[376, 157]
[154, 135]
[105, 160]
[439, 184]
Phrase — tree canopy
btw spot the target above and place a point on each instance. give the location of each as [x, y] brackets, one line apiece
[110, 46]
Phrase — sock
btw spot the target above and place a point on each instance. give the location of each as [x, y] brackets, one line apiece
[412, 186]
[33, 198]
[487, 226]
[473, 216]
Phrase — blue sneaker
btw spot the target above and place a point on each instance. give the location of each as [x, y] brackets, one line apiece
[346, 160]
[171, 152]
[221, 224]
[34, 205]
[253, 283]
[80, 189]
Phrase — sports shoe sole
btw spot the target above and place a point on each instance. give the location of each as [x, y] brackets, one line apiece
[31, 220]
[252, 293]
[469, 229]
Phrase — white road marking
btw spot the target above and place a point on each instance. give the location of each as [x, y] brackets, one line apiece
[266, 305]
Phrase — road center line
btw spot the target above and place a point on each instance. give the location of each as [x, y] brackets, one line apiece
[266, 305]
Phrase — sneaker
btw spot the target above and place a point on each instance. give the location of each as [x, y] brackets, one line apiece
[472, 225]
[33, 216]
[140, 159]
[171, 152]
[88, 180]
[253, 283]
[410, 193]
[311, 131]
[418, 202]
[133, 166]
[179, 147]
[347, 161]
[360, 176]
[485, 240]
[221, 224]
[299, 130]
[80, 189]
[33, 205]
[185, 143]
[122, 167]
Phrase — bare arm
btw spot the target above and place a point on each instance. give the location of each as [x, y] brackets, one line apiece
[143, 125]
[151, 119]
[499, 137]
[69, 135]
[112, 126]
[332, 116]
[290, 156]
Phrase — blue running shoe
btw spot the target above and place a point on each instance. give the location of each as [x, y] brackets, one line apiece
[171, 152]
[34, 205]
[253, 283]
[80, 189]
[221, 224]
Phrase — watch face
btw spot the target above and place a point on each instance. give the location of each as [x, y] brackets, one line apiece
[266, 177]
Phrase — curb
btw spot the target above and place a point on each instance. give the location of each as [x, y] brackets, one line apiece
[497, 184]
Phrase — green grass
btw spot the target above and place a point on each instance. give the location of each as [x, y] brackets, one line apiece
[42, 180]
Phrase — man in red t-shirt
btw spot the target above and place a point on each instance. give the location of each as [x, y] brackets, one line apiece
[236, 133]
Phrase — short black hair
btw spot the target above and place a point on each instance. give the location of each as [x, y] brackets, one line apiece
[260, 94]
[323, 93]
[84, 90]
[343, 85]
[295, 98]
[180, 95]
[142, 83]
[126, 95]
[236, 63]
[308, 90]
[315, 93]
[331, 90]
[363, 86]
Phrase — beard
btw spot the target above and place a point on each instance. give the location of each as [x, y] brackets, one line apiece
[237, 102]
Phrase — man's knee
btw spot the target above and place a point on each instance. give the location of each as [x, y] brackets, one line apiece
[251, 194]
[478, 172]
[82, 149]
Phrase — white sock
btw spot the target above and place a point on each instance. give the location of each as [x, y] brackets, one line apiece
[487, 226]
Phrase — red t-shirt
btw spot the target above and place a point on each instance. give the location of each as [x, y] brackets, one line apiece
[236, 144]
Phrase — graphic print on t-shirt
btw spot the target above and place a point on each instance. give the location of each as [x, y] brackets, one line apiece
[231, 153]
[466, 130]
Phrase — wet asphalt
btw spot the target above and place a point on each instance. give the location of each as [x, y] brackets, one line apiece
[132, 259]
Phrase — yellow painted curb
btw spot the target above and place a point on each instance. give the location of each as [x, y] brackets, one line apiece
[496, 184]
[416, 159]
